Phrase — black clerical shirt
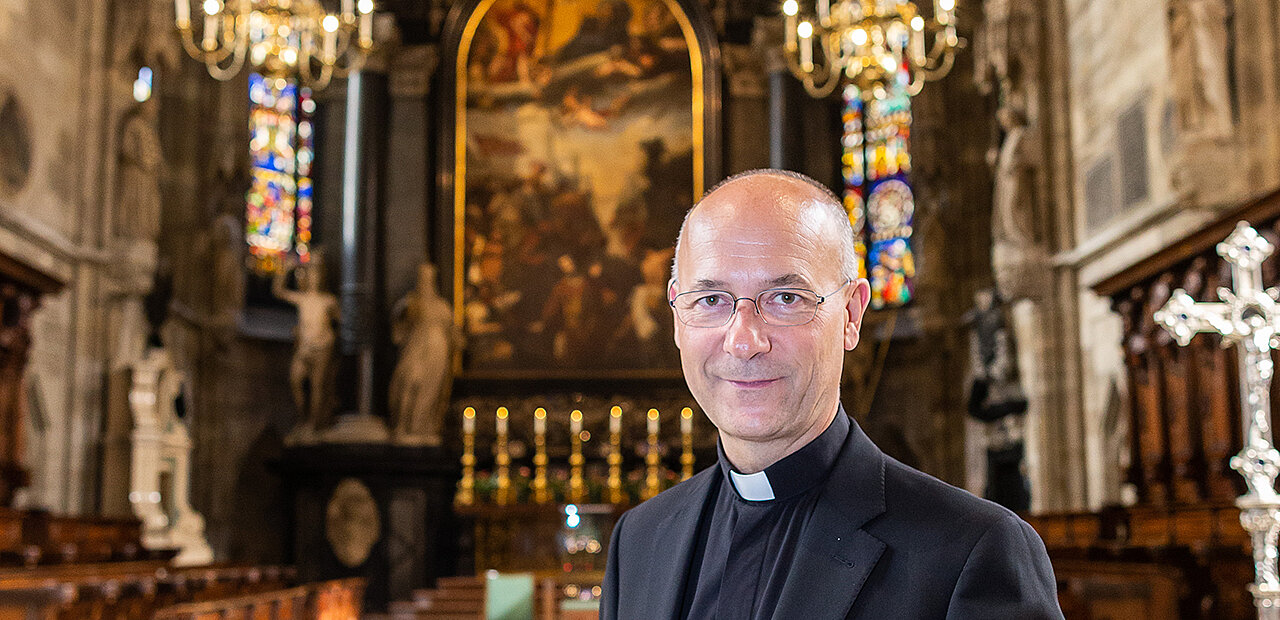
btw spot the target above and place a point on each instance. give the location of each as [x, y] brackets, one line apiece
[747, 541]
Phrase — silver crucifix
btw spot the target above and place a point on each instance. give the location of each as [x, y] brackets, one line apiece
[1249, 317]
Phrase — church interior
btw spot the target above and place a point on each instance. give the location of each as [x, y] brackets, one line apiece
[338, 308]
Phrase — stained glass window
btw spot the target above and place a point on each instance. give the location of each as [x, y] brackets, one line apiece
[281, 148]
[877, 195]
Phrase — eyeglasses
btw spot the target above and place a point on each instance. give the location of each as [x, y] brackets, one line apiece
[780, 307]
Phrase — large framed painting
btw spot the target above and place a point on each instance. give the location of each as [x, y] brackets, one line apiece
[582, 132]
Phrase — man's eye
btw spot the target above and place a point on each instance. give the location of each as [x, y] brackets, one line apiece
[783, 298]
[710, 300]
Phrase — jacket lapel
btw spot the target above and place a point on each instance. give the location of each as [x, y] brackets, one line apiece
[673, 544]
[835, 554]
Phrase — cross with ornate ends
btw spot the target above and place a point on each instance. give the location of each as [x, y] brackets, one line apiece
[1248, 316]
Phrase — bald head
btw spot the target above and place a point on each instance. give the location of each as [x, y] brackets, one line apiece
[777, 193]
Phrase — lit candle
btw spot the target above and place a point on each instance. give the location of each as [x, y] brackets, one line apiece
[686, 421]
[348, 9]
[539, 421]
[824, 11]
[469, 420]
[211, 10]
[210, 32]
[615, 420]
[502, 420]
[366, 23]
[182, 13]
[791, 8]
[653, 421]
[575, 422]
[805, 30]
[330, 24]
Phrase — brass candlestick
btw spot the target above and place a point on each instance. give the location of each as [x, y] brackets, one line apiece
[540, 494]
[615, 455]
[651, 459]
[467, 486]
[577, 490]
[686, 442]
[503, 495]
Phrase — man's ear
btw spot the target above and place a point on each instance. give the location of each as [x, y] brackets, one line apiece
[855, 311]
[679, 327]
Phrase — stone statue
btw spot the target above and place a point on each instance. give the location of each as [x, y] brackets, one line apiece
[994, 391]
[225, 239]
[141, 164]
[421, 382]
[309, 373]
[1018, 254]
[1198, 64]
[996, 398]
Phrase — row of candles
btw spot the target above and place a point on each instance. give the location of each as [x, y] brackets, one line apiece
[577, 486]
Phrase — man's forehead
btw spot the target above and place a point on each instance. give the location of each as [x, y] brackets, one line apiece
[764, 200]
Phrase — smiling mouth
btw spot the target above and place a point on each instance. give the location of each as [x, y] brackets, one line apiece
[751, 384]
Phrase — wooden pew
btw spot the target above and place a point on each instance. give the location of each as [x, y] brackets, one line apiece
[290, 604]
[329, 600]
[118, 590]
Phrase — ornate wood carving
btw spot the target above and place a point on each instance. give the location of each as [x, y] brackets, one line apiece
[21, 287]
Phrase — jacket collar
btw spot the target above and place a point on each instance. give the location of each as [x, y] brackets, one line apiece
[835, 554]
[795, 473]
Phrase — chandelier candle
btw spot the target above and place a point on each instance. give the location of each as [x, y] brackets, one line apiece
[503, 459]
[615, 455]
[577, 489]
[540, 494]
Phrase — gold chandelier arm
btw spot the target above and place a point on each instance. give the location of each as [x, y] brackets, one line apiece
[942, 68]
[187, 36]
[241, 51]
[326, 73]
[824, 89]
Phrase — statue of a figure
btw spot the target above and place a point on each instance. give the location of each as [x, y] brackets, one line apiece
[138, 202]
[309, 373]
[994, 391]
[991, 49]
[421, 382]
[225, 239]
[1198, 63]
[997, 399]
[1018, 255]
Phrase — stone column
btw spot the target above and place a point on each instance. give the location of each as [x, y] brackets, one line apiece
[361, 246]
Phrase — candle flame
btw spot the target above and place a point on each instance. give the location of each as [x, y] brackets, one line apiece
[540, 413]
[616, 411]
[502, 412]
[686, 413]
[469, 412]
[653, 414]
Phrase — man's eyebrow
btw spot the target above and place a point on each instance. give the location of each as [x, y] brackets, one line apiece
[704, 283]
[791, 279]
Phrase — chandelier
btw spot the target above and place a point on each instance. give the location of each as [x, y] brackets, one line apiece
[876, 45]
[278, 37]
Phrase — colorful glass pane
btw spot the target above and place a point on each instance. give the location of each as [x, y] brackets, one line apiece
[281, 150]
[877, 195]
[852, 170]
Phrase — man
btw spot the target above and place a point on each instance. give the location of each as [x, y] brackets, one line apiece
[803, 517]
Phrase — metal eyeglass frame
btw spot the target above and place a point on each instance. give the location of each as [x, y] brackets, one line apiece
[755, 301]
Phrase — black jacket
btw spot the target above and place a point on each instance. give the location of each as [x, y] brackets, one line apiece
[884, 541]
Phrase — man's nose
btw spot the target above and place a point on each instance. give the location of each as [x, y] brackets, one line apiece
[746, 337]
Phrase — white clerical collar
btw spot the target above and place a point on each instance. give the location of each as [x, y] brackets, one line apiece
[752, 487]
